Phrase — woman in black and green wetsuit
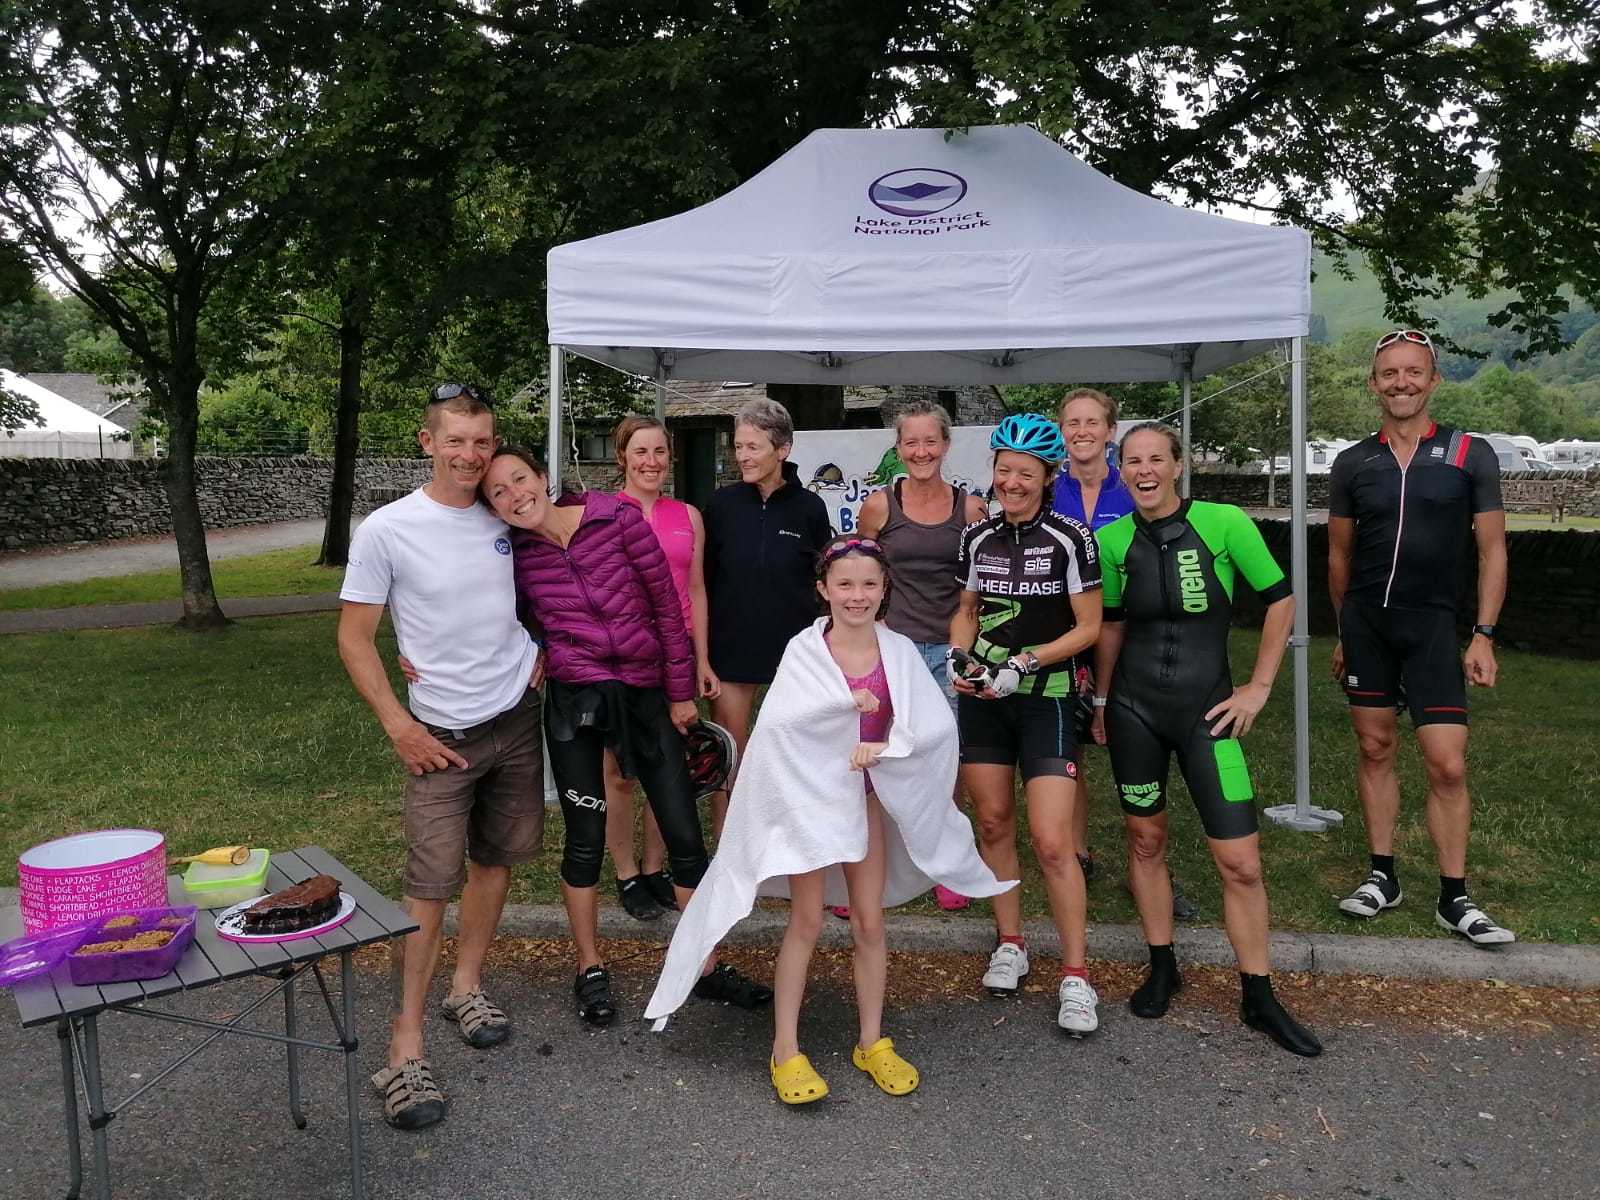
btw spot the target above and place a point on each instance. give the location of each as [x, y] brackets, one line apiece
[1168, 572]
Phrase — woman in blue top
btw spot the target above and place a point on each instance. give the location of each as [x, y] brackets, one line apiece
[1088, 491]
[1091, 492]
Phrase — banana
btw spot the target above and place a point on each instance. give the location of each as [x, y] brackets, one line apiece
[217, 856]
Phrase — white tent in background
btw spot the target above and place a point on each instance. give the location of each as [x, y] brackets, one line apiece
[64, 429]
[927, 256]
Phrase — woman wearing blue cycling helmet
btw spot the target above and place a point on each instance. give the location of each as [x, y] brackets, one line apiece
[1019, 643]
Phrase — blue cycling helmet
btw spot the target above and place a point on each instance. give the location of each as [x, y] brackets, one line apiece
[1029, 433]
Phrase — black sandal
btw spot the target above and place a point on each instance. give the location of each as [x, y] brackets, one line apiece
[596, 1005]
[724, 983]
[660, 885]
[637, 899]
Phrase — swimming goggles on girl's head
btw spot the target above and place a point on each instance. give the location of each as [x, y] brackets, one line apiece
[1415, 336]
[864, 545]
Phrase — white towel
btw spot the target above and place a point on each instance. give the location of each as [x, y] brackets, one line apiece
[797, 806]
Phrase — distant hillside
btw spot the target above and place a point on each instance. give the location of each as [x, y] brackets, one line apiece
[1345, 305]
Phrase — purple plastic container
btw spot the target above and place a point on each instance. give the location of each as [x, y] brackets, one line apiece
[88, 969]
[37, 954]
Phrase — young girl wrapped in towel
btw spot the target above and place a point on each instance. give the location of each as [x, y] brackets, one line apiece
[843, 798]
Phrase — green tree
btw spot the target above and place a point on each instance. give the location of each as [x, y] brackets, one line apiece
[403, 130]
[1300, 111]
[245, 416]
[166, 129]
[16, 412]
[38, 331]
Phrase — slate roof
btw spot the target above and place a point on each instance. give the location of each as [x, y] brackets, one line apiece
[694, 398]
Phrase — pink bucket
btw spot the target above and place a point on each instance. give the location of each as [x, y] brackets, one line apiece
[88, 875]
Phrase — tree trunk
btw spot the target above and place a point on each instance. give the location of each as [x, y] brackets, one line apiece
[812, 406]
[347, 432]
[200, 608]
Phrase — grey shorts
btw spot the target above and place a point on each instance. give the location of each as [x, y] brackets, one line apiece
[491, 811]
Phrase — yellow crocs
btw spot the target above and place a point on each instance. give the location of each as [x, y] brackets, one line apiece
[797, 1081]
[888, 1070]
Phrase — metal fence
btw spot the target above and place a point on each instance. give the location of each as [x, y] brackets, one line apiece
[45, 443]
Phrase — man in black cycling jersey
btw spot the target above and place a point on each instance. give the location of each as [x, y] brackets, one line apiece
[1400, 505]
[1029, 608]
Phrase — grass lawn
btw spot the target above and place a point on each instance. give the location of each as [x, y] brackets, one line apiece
[255, 734]
[1538, 521]
[277, 573]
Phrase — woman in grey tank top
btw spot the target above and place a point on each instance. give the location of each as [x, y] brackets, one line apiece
[918, 520]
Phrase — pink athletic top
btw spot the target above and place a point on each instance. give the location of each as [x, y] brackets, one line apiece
[874, 725]
[669, 519]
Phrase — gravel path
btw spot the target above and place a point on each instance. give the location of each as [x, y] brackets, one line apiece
[71, 564]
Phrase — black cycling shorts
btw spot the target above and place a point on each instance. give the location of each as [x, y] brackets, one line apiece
[1404, 658]
[1143, 737]
[1038, 734]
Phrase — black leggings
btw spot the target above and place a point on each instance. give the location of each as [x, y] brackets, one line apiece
[579, 769]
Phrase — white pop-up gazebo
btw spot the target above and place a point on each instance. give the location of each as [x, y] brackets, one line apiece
[927, 256]
[63, 430]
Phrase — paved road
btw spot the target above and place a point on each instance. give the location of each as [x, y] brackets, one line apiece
[158, 612]
[1192, 1106]
[70, 564]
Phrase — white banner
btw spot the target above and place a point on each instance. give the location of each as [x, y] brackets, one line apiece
[845, 466]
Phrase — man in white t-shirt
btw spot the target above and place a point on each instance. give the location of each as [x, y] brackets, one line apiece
[469, 734]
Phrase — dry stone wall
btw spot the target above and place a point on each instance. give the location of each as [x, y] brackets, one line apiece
[48, 502]
[1552, 599]
[1579, 490]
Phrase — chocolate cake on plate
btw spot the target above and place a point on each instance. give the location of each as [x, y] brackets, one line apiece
[308, 903]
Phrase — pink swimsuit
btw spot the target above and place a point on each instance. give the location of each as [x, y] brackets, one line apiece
[874, 725]
[669, 519]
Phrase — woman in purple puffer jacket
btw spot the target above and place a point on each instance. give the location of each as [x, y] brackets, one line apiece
[593, 582]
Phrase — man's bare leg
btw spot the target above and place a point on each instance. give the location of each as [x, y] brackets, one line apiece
[412, 963]
[1449, 808]
[1377, 786]
[482, 900]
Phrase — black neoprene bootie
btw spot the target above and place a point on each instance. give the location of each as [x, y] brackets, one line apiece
[1261, 1011]
[1151, 998]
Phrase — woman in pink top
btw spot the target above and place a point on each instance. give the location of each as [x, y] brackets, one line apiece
[645, 456]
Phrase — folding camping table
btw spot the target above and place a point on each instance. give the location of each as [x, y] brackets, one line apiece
[54, 999]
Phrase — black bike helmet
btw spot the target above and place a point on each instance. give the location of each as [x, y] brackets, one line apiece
[712, 756]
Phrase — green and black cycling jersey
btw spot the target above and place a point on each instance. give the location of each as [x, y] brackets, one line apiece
[1171, 582]
[1025, 576]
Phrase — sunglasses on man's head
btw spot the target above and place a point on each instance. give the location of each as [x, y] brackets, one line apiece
[449, 391]
[1415, 336]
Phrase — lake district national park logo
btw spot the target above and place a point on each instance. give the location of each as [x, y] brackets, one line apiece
[919, 202]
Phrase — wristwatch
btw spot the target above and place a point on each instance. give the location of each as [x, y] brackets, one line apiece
[1484, 631]
[1026, 663]
[1098, 701]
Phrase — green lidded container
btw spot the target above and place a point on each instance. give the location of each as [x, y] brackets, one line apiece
[220, 887]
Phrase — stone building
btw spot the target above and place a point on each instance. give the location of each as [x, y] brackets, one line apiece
[700, 418]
